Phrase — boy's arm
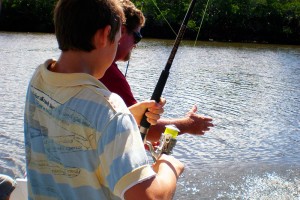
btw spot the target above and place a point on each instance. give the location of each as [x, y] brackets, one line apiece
[163, 185]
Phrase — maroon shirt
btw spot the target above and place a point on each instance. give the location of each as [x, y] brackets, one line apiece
[116, 82]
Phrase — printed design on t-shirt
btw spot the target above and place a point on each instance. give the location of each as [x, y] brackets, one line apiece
[47, 166]
[65, 135]
[44, 101]
[69, 121]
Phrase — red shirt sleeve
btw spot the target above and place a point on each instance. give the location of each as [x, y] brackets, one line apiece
[116, 82]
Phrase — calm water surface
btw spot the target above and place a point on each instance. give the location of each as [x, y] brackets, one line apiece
[251, 91]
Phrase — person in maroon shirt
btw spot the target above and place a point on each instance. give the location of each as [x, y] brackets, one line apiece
[116, 82]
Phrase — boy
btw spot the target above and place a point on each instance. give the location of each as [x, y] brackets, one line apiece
[81, 140]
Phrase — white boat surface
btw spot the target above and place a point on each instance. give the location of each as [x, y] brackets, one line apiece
[20, 192]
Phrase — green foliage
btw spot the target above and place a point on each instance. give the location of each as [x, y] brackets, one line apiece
[27, 15]
[274, 21]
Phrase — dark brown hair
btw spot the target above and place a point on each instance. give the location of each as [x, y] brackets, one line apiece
[76, 22]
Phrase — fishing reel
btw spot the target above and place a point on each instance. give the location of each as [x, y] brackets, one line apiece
[166, 143]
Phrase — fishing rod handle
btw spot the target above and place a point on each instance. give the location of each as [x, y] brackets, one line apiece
[144, 125]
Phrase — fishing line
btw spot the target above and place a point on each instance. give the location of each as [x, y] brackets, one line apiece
[164, 17]
[201, 23]
[127, 68]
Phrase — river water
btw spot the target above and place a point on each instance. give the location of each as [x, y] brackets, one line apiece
[251, 91]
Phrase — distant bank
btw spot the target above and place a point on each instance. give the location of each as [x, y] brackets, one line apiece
[261, 21]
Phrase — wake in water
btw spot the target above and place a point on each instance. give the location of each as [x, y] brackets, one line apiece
[259, 181]
[269, 186]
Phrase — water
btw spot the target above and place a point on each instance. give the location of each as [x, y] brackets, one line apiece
[250, 90]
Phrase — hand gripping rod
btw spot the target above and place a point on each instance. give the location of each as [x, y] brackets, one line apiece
[144, 126]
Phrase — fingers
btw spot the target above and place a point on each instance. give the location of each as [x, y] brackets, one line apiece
[198, 124]
[206, 127]
[208, 119]
[154, 110]
[194, 109]
[153, 117]
[210, 124]
[162, 101]
[207, 123]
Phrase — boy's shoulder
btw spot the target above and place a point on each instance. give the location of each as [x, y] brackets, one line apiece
[83, 87]
[113, 100]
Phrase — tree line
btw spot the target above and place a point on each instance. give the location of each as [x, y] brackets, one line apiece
[264, 21]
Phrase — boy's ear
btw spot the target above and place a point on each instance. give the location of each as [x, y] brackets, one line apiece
[102, 36]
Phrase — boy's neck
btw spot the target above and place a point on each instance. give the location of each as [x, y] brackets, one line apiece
[76, 62]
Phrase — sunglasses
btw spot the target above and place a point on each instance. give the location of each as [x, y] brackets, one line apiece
[137, 37]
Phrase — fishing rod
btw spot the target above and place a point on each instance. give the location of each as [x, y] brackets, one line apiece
[144, 125]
